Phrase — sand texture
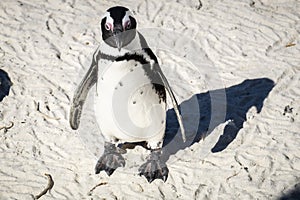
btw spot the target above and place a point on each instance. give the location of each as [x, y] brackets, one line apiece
[234, 67]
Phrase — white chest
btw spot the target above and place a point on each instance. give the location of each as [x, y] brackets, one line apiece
[127, 105]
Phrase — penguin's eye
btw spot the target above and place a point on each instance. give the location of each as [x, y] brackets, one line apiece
[127, 25]
[108, 26]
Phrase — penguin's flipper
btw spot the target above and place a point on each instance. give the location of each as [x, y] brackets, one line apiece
[174, 102]
[80, 95]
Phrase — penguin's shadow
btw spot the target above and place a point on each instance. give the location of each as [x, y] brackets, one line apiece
[5, 84]
[238, 100]
[294, 193]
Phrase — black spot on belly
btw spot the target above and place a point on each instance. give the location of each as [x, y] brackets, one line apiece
[134, 102]
[142, 92]
[121, 84]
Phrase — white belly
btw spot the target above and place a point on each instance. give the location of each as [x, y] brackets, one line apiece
[126, 105]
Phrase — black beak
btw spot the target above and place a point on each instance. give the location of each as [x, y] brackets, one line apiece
[117, 33]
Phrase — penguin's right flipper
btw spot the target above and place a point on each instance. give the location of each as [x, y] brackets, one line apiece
[81, 93]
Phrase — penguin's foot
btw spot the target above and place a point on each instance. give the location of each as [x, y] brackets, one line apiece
[110, 160]
[154, 168]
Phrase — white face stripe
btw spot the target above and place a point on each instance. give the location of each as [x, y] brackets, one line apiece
[126, 17]
[109, 19]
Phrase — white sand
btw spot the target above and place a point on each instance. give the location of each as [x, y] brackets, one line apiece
[46, 46]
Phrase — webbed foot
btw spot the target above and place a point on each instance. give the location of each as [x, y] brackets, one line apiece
[110, 160]
[154, 168]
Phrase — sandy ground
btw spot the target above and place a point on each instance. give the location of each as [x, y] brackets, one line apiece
[250, 115]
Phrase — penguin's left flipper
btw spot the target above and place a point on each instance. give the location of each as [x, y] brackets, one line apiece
[154, 168]
[174, 102]
[165, 82]
[80, 95]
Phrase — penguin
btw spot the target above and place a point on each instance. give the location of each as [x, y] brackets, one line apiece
[130, 100]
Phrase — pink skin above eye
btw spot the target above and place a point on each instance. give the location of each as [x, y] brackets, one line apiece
[108, 26]
[127, 25]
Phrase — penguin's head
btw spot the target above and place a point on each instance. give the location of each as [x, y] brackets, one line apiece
[118, 27]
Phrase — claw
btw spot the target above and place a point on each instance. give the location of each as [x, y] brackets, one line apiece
[164, 178]
[109, 171]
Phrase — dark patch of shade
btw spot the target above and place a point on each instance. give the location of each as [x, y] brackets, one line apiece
[239, 99]
[293, 194]
[5, 84]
